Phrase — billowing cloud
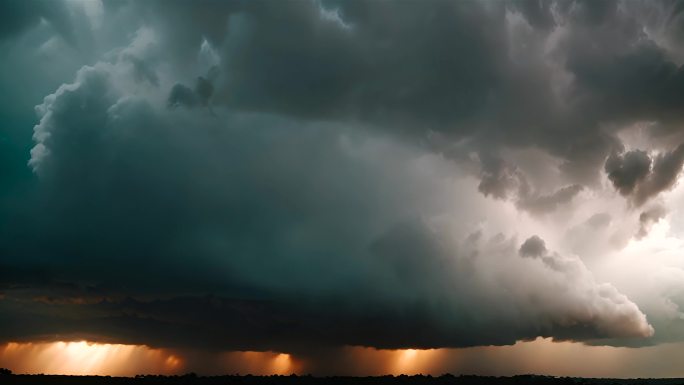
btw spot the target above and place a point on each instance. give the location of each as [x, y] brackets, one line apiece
[625, 171]
[533, 247]
[638, 175]
[302, 176]
[258, 214]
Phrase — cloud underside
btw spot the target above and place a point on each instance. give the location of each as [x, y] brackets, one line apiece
[299, 175]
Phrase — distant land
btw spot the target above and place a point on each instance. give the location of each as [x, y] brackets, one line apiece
[447, 379]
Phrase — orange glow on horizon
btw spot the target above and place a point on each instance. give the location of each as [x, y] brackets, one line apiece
[87, 358]
[413, 361]
[257, 363]
[281, 363]
[541, 356]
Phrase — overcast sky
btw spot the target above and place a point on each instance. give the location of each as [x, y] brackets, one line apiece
[320, 177]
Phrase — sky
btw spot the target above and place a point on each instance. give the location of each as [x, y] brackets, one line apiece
[342, 187]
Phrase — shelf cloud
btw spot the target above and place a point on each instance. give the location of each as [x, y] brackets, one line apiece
[304, 176]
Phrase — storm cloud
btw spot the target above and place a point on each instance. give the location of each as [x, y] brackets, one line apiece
[641, 176]
[249, 201]
[301, 176]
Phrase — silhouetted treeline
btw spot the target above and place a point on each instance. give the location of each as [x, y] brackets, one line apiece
[7, 378]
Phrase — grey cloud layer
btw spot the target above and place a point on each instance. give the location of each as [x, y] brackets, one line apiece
[562, 76]
[278, 156]
[467, 69]
[17, 16]
[179, 202]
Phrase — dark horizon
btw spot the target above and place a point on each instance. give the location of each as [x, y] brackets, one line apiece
[418, 379]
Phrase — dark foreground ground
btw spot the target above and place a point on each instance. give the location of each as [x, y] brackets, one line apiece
[309, 380]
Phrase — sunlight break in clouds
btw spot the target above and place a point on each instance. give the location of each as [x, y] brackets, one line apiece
[88, 358]
[85, 358]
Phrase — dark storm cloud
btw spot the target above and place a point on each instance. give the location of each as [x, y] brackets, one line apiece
[176, 203]
[626, 170]
[182, 95]
[533, 247]
[462, 68]
[302, 323]
[639, 176]
[293, 197]
[444, 66]
[505, 181]
[624, 75]
[381, 69]
[666, 169]
[16, 16]
[488, 71]
[498, 179]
